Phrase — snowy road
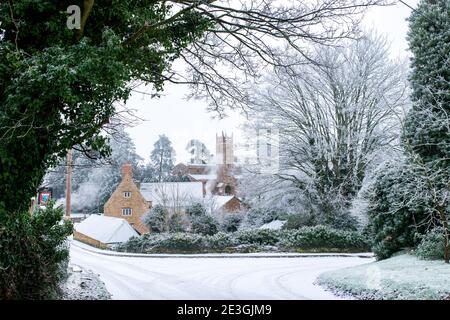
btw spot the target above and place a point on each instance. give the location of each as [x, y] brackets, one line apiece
[211, 278]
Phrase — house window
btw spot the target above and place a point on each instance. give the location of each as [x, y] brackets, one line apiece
[127, 211]
[127, 194]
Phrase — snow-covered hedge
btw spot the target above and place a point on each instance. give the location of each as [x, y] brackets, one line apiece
[323, 237]
[319, 238]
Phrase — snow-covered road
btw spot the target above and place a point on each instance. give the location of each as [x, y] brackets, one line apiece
[211, 278]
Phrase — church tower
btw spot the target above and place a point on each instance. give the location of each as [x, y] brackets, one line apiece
[224, 149]
[226, 183]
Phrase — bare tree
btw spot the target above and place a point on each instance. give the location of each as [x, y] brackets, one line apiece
[245, 37]
[335, 118]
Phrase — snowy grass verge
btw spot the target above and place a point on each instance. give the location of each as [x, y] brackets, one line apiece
[403, 277]
[82, 284]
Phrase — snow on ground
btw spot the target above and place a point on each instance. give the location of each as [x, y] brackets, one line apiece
[82, 284]
[211, 278]
[400, 277]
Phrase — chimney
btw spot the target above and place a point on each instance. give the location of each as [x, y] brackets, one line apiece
[127, 170]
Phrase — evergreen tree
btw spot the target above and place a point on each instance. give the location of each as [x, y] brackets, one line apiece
[162, 157]
[426, 134]
[427, 130]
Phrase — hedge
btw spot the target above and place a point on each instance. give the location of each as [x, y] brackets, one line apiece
[318, 238]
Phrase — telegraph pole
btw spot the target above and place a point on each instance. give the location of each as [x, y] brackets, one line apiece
[68, 183]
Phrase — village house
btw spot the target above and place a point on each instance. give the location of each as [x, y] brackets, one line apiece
[127, 202]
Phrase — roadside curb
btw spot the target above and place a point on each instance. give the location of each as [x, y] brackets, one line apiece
[220, 255]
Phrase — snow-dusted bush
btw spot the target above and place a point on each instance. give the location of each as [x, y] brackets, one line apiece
[231, 222]
[431, 246]
[319, 238]
[258, 236]
[181, 242]
[196, 210]
[33, 253]
[323, 237]
[397, 208]
[177, 223]
[220, 240]
[204, 224]
[295, 221]
[156, 219]
[257, 216]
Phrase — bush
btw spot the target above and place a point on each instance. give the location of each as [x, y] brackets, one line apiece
[258, 236]
[220, 241]
[185, 242]
[156, 219]
[177, 223]
[205, 225]
[396, 209]
[196, 210]
[231, 222]
[318, 238]
[296, 221]
[33, 253]
[432, 245]
[256, 217]
[341, 220]
[323, 237]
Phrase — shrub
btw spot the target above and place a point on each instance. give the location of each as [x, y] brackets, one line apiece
[177, 223]
[204, 224]
[33, 253]
[220, 241]
[163, 242]
[320, 237]
[296, 221]
[257, 236]
[396, 209]
[341, 220]
[432, 245]
[156, 219]
[323, 237]
[196, 210]
[180, 242]
[256, 217]
[231, 222]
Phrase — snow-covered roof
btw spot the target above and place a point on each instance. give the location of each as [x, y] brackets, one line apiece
[176, 193]
[273, 225]
[203, 176]
[220, 201]
[106, 229]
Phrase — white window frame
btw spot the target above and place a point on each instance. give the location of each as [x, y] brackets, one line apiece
[127, 194]
[127, 211]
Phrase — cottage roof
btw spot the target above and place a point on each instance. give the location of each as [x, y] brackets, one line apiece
[220, 201]
[181, 193]
[106, 229]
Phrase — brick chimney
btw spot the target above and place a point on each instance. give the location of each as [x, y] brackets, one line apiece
[127, 169]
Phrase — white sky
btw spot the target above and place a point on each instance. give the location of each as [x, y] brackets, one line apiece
[182, 120]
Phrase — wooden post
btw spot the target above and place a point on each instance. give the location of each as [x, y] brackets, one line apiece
[68, 183]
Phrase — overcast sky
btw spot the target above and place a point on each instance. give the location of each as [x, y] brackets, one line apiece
[182, 120]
